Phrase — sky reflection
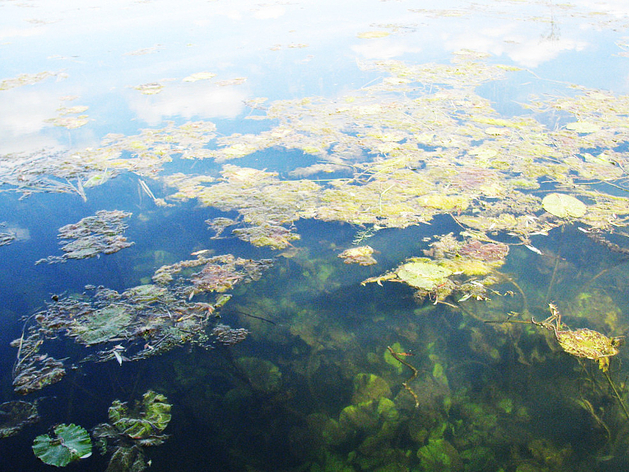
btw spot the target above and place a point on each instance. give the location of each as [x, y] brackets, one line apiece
[110, 47]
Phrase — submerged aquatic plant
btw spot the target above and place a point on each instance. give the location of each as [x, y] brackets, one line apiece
[130, 430]
[229, 336]
[16, 414]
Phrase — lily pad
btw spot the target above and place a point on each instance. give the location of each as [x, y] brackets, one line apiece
[563, 206]
[70, 444]
[422, 275]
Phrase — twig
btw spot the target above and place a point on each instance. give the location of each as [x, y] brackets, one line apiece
[618, 397]
[411, 378]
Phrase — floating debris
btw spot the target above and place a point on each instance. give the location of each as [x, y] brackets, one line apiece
[582, 342]
[150, 89]
[92, 236]
[361, 255]
[26, 79]
[70, 122]
[16, 414]
[7, 238]
[373, 34]
[230, 82]
[199, 76]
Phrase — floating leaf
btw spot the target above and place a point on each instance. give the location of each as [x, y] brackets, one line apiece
[563, 206]
[422, 275]
[101, 325]
[71, 443]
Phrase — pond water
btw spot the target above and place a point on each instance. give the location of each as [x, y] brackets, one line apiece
[314, 236]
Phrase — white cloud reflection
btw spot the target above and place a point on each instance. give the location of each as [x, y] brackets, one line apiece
[197, 100]
[233, 38]
[525, 48]
[25, 118]
[386, 48]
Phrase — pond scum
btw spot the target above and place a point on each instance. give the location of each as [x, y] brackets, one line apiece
[459, 372]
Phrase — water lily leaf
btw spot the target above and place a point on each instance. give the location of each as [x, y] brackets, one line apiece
[71, 443]
[563, 206]
[422, 275]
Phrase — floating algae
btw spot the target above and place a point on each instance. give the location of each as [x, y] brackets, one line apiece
[92, 236]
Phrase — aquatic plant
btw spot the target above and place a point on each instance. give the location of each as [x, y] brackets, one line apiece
[92, 236]
[563, 206]
[33, 371]
[143, 321]
[149, 417]
[262, 375]
[228, 336]
[582, 342]
[69, 444]
[131, 430]
[439, 456]
[16, 414]
[361, 255]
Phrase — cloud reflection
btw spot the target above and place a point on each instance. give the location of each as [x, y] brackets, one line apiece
[387, 48]
[196, 100]
[19, 130]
